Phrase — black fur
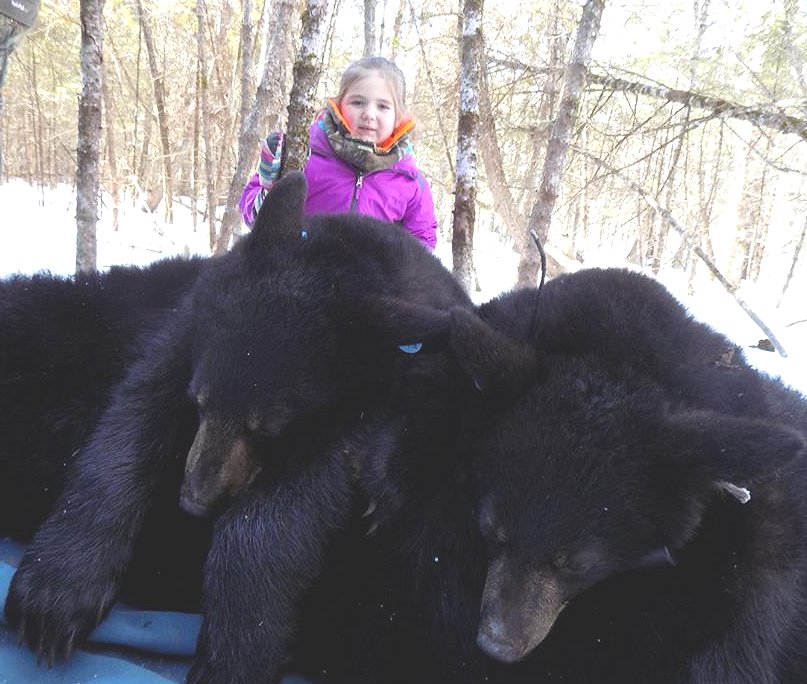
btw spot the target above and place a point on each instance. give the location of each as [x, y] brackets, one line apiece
[562, 508]
[275, 363]
[64, 343]
[589, 530]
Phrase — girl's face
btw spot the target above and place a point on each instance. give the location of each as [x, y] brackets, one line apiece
[369, 108]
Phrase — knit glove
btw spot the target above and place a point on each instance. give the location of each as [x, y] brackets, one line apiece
[269, 164]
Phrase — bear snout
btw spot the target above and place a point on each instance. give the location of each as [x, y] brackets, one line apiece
[519, 608]
[500, 646]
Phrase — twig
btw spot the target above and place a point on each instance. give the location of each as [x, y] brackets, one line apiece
[667, 216]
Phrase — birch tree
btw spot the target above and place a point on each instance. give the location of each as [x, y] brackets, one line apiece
[12, 30]
[370, 42]
[89, 134]
[462, 240]
[231, 215]
[574, 81]
[266, 105]
[158, 85]
[16, 19]
[203, 99]
[307, 71]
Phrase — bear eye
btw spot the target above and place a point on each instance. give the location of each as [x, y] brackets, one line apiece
[259, 434]
[559, 561]
[198, 397]
[579, 563]
[492, 531]
[499, 535]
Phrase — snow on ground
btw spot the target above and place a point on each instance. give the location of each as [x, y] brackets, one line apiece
[38, 233]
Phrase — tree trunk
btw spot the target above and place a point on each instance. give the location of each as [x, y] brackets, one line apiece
[307, 71]
[162, 115]
[204, 92]
[89, 135]
[231, 215]
[503, 202]
[795, 260]
[111, 150]
[462, 241]
[435, 102]
[11, 33]
[529, 263]
[574, 80]
[370, 43]
[269, 99]
[394, 39]
[197, 123]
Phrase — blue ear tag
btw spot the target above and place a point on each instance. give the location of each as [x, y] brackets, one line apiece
[304, 234]
[413, 348]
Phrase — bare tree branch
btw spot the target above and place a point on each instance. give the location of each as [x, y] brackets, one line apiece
[667, 216]
[432, 89]
[759, 114]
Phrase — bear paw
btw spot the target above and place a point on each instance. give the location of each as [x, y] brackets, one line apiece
[53, 604]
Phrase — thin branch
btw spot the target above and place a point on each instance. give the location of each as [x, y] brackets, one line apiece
[667, 216]
[718, 107]
[432, 89]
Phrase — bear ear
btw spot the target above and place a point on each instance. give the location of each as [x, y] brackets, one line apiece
[733, 451]
[493, 362]
[397, 321]
[281, 214]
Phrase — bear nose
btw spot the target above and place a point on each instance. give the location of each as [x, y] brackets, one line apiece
[499, 646]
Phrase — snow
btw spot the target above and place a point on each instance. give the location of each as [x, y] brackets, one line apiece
[38, 233]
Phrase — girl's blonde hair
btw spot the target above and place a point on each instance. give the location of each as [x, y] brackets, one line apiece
[388, 70]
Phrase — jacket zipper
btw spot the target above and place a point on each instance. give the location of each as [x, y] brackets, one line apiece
[354, 202]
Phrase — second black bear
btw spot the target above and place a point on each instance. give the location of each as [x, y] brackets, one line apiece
[636, 514]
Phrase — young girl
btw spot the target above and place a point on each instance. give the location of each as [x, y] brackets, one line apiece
[360, 155]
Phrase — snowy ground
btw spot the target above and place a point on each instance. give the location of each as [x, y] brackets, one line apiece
[37, 233]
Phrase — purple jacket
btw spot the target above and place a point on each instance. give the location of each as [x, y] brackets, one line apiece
[399, 194]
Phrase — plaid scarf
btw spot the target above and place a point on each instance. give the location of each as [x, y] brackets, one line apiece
[361, 154]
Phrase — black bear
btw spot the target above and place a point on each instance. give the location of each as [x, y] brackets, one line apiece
[656, 531]
[646, 542]
[64, 344]
[277, 360]
[636, 514]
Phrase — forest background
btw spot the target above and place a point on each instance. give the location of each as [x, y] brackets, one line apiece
[685, 146]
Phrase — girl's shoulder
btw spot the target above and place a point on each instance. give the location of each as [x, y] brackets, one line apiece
[406, 164]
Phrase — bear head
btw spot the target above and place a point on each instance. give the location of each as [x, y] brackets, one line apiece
[588, 475]
[296, 334]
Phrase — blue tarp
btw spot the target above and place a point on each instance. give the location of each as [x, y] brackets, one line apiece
[129, 647]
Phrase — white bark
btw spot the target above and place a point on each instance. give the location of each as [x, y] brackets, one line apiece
[89, 135]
